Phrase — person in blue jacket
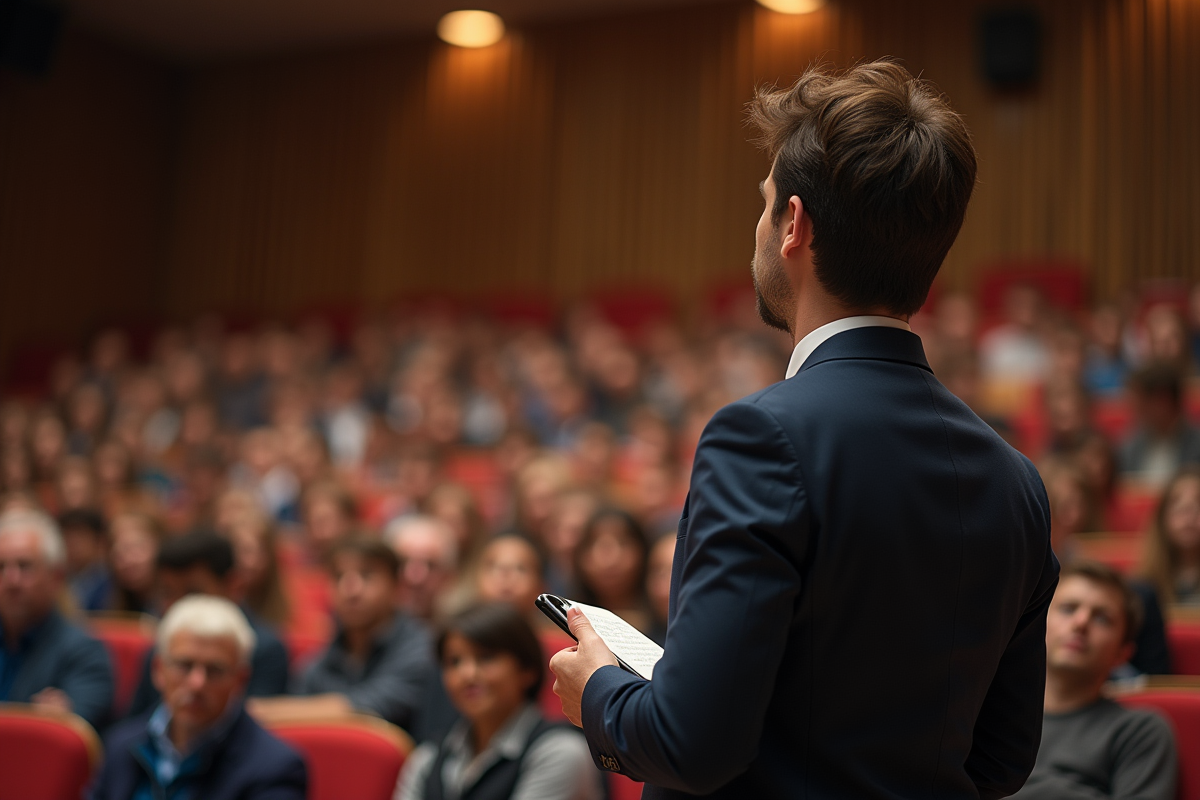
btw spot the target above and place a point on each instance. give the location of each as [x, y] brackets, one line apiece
[199, 743]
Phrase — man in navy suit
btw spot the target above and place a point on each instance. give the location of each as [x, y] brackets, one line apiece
[860, 584]
[199, 742]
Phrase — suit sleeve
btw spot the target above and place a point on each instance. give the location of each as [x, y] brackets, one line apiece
[1008, 730]
[746, 530]
[87, 679]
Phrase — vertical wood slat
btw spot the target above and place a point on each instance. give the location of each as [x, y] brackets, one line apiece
[575, 155]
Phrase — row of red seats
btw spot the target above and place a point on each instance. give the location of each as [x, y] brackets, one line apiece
[52, 756]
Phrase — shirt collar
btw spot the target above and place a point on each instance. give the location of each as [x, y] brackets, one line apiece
[508, 742]
[815, 338]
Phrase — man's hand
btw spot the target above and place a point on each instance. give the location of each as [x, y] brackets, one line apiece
[574, 666]
[52, 698]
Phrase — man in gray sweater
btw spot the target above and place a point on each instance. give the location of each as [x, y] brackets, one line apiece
[1092, 747]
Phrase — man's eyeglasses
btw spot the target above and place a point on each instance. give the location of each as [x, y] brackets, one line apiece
[184, 667]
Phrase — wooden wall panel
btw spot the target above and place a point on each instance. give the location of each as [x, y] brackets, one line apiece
[592, 153]
[84, 183]
[571, 156]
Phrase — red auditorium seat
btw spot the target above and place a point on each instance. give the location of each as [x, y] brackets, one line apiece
[1061, 281]
[622, 788]
[1181, 706]
[45, 755]
[127, 637]
[1183, 640]
[351, 756]
[633, 308]
[1133, 507]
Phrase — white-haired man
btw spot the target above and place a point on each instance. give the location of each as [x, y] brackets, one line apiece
[200, 742]
[428, 556]
[44, 659]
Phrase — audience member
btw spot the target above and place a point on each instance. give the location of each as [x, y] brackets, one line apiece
[44, 659]
[1091, 746]
[512, 570]
[1171, 557]
[328, 516]
[428, 556]
[1163, 440]
[1015, 349]
[85, 536]
[381, 660]
[132, 557]
[202, 563]
[492, 669]
[610, 563]
[199, 742]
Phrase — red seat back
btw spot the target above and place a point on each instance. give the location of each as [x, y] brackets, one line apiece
[622, 788]
[351, 757]
[127, 640]
[1183, 639]
[1181, 707]
[44, 755]
[552, 640]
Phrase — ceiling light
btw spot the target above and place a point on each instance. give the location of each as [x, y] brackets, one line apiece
[471, 28]
[792, 6]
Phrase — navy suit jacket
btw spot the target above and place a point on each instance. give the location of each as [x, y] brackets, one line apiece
[858, 599]
[64, 657]
[248, 763]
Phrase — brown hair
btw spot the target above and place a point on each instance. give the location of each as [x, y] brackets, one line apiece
[1105, 575]
[1160, 558]
[884, 168]
[371, 551]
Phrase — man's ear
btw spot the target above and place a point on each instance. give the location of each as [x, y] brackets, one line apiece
[797, 228]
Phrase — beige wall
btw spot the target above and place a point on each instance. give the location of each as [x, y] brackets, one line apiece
[584, 154]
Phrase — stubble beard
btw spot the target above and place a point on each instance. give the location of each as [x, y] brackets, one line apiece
[773, 285]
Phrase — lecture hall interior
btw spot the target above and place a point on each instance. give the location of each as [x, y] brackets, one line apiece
[281, 282]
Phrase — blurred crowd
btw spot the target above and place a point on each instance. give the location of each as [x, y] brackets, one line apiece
[498, 460]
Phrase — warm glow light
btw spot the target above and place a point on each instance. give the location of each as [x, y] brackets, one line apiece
[792, 6]
[471, 28]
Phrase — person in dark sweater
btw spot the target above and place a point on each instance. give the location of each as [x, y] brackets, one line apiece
[1091, 746]
[202, 563]
[199, 742]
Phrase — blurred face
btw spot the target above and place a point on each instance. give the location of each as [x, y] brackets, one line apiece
[1181, 517]
[611, 562]
[483, 685]
[198, 677]
[424, 567]
[84, 548]
[326, 523]
[29, 586]
[775, 298]
[363, 592]
[1085, 628]
[510, 572]
[132, 556]
[658, 575]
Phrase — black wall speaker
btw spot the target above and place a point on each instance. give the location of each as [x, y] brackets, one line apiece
[1010, 42]
[28, 32]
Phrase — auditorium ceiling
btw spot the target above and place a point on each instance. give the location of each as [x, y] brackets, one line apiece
[206, 30]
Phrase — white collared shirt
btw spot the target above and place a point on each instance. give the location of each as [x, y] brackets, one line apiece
[816, 338]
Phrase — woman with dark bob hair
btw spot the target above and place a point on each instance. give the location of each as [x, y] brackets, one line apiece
[502, 748]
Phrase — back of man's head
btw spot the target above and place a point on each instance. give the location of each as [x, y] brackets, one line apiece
[884, 168]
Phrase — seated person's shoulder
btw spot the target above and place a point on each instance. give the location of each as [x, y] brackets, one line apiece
[1138, 725]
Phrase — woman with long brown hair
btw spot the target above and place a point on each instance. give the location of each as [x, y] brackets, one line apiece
[1171, 555]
